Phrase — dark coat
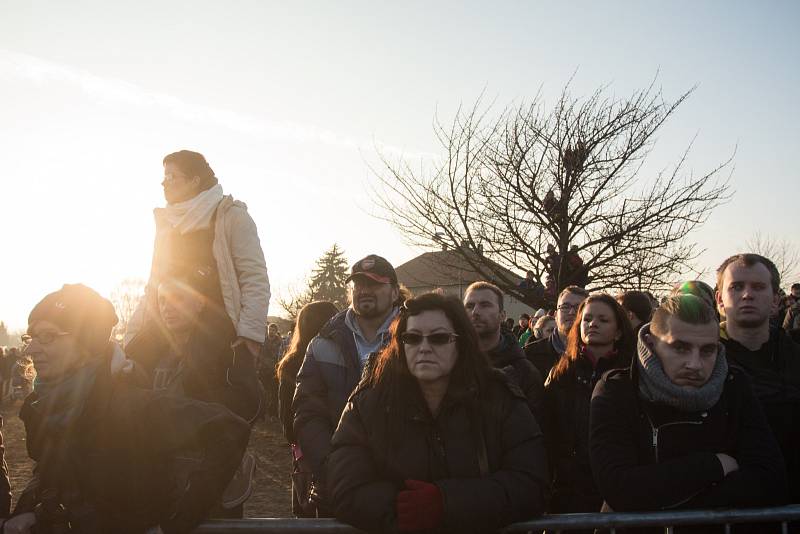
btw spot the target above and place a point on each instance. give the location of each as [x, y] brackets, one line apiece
[330, 372]
[509, 357]
[648, 456]
[774, 373]
[212, 372]
[565, 423]
[542, 355]
[5, 484]
[124, 458]
[376, 448]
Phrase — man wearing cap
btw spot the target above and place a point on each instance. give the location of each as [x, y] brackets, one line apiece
[111, 456]
[336, 357]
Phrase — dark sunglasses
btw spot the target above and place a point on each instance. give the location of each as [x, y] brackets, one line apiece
[439, 338]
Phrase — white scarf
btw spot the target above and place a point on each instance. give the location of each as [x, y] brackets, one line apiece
[193, 214]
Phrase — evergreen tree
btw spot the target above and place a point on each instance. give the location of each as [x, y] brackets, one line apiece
[328, 279]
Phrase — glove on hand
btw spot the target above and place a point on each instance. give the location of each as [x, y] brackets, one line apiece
[420, 506]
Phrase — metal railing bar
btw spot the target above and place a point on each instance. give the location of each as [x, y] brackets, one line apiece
[559, 522]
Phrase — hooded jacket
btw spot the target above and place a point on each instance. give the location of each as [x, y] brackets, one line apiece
[377, 447]
[648, 456]
[509, 357]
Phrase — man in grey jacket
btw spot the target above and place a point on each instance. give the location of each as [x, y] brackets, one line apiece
[336, 358]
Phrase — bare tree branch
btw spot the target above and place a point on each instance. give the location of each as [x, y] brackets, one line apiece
[512, 183]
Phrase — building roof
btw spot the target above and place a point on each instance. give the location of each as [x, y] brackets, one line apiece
[444, 268]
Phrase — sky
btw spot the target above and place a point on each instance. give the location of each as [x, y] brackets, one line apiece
[291, 102]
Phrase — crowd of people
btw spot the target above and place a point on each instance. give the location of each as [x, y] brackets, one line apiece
[411, 413]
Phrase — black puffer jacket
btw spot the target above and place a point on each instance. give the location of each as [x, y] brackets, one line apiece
[542, 355]
[509, 357]
[774, 372]
[567, 399]
[648, 456]
[375, 450]
[122, 459]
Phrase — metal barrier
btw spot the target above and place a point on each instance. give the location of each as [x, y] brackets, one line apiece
[554, 523]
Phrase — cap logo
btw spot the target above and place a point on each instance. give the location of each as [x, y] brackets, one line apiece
[60, 305]
[368, 264]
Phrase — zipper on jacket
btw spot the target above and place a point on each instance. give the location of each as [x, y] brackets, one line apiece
[655, 430]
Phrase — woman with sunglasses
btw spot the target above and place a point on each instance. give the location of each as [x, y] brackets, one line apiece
[434, 438]
[601, 339]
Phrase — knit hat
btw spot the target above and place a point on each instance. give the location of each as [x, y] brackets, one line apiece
[80, 311]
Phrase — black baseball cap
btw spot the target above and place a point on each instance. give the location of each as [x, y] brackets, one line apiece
[375, 268]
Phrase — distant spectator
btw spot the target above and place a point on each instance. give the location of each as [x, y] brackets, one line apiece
[544, 327]
[791, 320]
[638, 306]
[508, 325]
[268, 359]
[532, 287]
[528, 333]
[521, 325]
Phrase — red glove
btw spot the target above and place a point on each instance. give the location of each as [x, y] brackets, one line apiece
[420, 506]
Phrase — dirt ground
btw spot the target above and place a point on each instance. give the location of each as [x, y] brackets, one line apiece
[271, 496]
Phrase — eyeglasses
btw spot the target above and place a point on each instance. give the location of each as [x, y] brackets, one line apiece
[43, 338]
[439, 338]
[568, 307]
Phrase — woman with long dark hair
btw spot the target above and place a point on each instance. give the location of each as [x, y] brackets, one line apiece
[601, 339]
[310, 320]
[434, 438]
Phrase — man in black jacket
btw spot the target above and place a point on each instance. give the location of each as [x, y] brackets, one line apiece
[680, 428]
[484, 304]
[748, 291]
[544, 353]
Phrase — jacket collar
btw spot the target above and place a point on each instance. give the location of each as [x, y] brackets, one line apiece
[507, 351]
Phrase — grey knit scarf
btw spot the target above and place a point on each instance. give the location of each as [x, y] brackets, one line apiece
[655, 386]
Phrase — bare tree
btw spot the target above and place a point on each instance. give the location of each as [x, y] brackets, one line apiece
[125, 298]
[292, 299]
[512, 185]
[782, 252]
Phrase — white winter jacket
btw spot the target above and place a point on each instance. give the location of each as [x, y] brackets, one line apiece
[242, 271]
